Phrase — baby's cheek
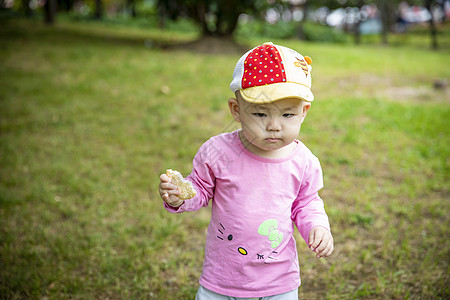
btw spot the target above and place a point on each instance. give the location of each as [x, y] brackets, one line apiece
[249, 133]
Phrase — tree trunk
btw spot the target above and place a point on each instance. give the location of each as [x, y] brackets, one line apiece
[26, 8]
[215, 18]
[50, 12]
[198, 13]
[98, 13]
[385, 15]
[227, 18]
[131, 8]
[301, 30]
[358, 23]
[162, 14]
[433, 31]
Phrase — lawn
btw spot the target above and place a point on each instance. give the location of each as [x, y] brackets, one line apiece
[90, 115]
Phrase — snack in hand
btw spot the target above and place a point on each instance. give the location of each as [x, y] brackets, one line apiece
[185, 187]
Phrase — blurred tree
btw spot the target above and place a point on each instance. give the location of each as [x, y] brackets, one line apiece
[386, 10]
[433, 31]
[359, 5]
[98, 9]
[214, 17]
[66, 5]
[167, 9]
[131, 8]
[26, 8]
[330, 4]
[50, 12]
[333, 4]
[430, 5]
[307, 5]
[301, 31]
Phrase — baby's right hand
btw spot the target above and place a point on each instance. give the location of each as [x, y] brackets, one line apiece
[169, 191]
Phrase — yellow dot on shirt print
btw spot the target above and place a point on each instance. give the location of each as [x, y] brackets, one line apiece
[242, 251]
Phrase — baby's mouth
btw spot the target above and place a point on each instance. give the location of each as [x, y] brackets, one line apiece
[273, 140]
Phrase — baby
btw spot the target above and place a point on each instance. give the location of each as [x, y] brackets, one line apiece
[260, 180]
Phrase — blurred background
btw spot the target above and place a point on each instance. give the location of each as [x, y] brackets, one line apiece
[99, 97]
[318, 20]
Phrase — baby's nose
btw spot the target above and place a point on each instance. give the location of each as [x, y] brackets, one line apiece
[273, 125]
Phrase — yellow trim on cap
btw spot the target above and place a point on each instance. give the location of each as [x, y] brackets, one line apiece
[277, 91]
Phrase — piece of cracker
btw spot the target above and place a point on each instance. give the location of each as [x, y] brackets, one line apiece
[185, 187]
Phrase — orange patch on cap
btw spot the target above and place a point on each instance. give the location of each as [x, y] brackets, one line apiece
[308, 59]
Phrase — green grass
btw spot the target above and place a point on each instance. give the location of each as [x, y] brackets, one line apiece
[86, 128]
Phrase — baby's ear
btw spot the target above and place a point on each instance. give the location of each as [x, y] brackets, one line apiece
[233, 105]
[306, 107]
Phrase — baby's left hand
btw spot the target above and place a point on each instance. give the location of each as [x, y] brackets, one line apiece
[321, 241]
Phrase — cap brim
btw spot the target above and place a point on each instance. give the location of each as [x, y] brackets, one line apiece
[277, 91]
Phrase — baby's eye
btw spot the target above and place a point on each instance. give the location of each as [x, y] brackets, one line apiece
[259, 115]
[288, 115]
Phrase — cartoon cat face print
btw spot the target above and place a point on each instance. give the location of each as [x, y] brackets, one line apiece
[229, 237]
[268, 229]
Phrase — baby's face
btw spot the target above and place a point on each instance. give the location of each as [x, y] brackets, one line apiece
[272, 126]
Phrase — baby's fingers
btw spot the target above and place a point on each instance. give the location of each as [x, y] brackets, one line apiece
[315, 238]
[324, 244]
[171, 197]
[169, 192]
[167, 187]
[321, 241]
[329, 251]
[164, 178]
[174, 201]
[326, 251]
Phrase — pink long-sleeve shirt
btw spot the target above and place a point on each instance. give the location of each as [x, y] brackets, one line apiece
[250, 249]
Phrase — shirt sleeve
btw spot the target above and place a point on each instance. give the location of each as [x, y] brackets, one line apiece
[203, 180]
[308, 209]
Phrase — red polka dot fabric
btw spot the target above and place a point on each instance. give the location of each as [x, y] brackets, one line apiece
[262, 66]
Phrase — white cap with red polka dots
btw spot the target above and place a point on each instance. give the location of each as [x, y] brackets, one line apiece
[269, 72]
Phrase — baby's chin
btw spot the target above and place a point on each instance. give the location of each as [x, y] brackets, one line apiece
[273, 146]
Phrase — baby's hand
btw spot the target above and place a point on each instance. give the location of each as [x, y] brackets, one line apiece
[169, 192]
[321, 241]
